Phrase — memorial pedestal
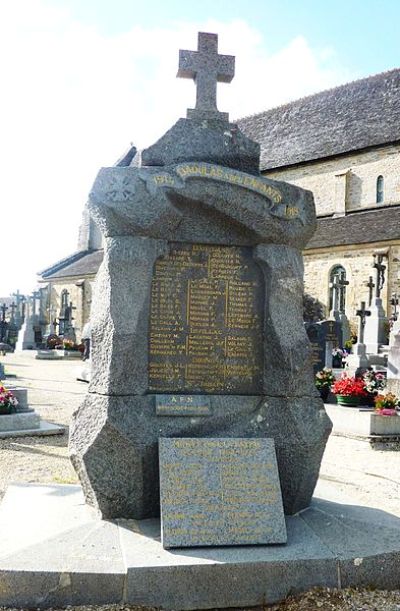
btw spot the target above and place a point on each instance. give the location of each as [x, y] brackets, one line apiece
[375, 333]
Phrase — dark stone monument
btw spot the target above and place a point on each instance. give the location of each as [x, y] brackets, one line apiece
[199, 295]
[323, 337]
[220, 492]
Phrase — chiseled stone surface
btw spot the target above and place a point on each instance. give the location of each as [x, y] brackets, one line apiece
[114, 445]
[194, 140]
[199, 184]
[220, 492]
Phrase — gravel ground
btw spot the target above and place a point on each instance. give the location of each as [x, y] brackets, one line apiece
[371, 476]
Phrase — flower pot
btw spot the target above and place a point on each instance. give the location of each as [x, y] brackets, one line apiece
[348, 400]
[369, 400]
[324, 393]
[337, 362]
[6, 411]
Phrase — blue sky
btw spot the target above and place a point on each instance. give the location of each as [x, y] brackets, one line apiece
[84, 78]
[363, 33]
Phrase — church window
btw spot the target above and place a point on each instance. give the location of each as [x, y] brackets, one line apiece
[337, 288]
[379, 189]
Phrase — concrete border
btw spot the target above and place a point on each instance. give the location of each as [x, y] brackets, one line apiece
[60, 553]
[44, 428]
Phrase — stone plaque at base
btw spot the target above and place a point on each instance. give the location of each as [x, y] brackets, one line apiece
[183, 405]
[220, 492]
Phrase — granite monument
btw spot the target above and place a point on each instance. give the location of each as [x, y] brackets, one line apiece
[197, 307]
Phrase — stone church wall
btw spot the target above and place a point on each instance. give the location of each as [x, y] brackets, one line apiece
[348, 182]
[357, 262]
[81, 296]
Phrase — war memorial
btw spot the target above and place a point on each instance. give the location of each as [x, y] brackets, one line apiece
[199, 443]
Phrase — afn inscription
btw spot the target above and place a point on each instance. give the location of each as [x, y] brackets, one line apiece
[206, 321]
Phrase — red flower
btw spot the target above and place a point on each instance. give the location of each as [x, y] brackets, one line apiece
[349, 387]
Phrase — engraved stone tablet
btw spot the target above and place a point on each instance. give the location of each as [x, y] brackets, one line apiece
[183, 405]
[220, 492]
[206, 323]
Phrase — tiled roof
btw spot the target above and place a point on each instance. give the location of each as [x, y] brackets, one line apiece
[351, 117]
[84, 265]
[362, 227]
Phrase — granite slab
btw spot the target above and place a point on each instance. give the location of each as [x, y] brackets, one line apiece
[60, 553]
[220, 492]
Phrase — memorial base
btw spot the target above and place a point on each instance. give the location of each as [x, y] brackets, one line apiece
[60, 554]
[114, 445]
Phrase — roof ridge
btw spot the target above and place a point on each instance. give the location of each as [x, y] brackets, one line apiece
[314, 95]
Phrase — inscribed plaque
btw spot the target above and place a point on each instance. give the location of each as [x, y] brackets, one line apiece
[206, 321]
[183, 405]
[220, 492]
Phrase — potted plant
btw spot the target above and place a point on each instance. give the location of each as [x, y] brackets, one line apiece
[375, 382]
[385, 405]
[349, 390]
[323, 381]
[8, 402]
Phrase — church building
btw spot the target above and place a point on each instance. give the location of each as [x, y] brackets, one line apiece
[343, 145]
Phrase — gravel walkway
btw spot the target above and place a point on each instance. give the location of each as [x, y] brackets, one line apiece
[372, 477]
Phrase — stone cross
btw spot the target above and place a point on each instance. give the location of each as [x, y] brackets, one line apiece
[20, 299]
[338, 283]
[371, 286]
[3, 309]
[362, 313]
[207, 68]
[13, 307]
[35, 295]
[334, 285]
[342, 283]
[394, 302]
[3, 324]
[380, 273]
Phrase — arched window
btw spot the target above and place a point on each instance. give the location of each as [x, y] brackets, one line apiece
[337, 288]
[379, 189]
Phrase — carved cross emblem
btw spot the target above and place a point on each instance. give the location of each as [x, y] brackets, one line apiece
[206, 67]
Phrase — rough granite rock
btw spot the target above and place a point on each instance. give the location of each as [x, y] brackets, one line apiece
[197, 189]
[114, 445]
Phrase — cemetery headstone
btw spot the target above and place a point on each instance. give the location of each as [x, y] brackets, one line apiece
[375, 327]
[202, 256]
[3, 323]
[220, 492]
[358, 359]
[324, 336]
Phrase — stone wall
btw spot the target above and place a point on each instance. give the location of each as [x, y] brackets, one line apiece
[80, 295]
[350, 177]
[357, 262]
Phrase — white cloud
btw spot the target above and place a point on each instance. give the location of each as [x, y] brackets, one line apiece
[73, 99]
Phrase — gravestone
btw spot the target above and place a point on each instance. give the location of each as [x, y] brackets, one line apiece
[393, 365]
[358, 360]
[375, 325]
[220, 492]
[323, 337]
[200, 294]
